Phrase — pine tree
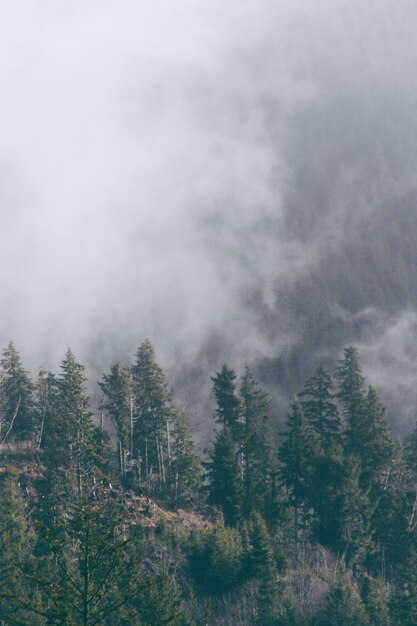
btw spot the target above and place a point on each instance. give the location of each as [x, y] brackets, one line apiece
[91, 574]
[344, 606]
[151, 415]
[351, 393]
[72, 441]
[355, 516]
[374, 443]
[260, 482]
[375, 596]
[16, 399]
[17, 543]
[44, 393]
[228, 405]
[185, 466]
[160, 603]
[320, 409]
[404, 603]
[297, 455]
[225, 478]
[118, 402]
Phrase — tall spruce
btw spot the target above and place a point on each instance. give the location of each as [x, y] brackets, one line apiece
[72, 439]
[118, 402]
[225, 464]
[352, 396]
[297, 455]
[320, 409]
[16, 399]
[225, 477]
[185, 467]
[151, 417]
[375, 445]
[17, 542]
[228, 405]
[260, 480]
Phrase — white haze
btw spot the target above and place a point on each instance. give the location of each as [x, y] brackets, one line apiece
[150, 164]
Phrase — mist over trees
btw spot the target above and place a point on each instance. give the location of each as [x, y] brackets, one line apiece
[314, 526]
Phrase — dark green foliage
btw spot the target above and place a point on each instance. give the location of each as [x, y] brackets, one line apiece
[376, 445]
[17, 416]
[118, 402]
[17, 542]
[73, 429]
[228, 405]
[404, 603]
[151, 416]
[320, 409]
[259, 563]
[351, 393]
[355, 515]
[215, 559]
[90, 575]
[185, 466]
[392, 514]
[260, 472]
[297, 455]
[160, 603]
[375, 596]
[344, 606]
[225, 477]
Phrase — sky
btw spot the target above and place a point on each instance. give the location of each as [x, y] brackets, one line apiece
[235, 181]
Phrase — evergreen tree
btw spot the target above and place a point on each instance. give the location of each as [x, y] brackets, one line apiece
[228, 405]
[351, 394]
[344, 606]
[355, 516]
[118, 402]
[160, 603]
[374, 443]
[320, 409]
[71, 438]
[44, 393]
[151, 415]
[185, 466]
[17, 542]
[404, 603]
[91, 576]
[260, 482]
[375, 597]
[297, 455]
[225, 479]
[16, 399]
[394, 501]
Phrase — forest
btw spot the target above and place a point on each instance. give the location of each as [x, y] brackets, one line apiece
[306, 521]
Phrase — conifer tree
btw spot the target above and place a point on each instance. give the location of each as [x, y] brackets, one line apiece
[320, 409]
[72, 440]
[44, 393]
[17, 542]
[297, 455]
[404, 603]
[151, 415]
[225, 477]
[16, 399]
[375, 596]
[374, 443]
[260, 482]
[185, 466]
[355, 516]
[344, 606]
[351, 393]
[118, 402]
[228, 405]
